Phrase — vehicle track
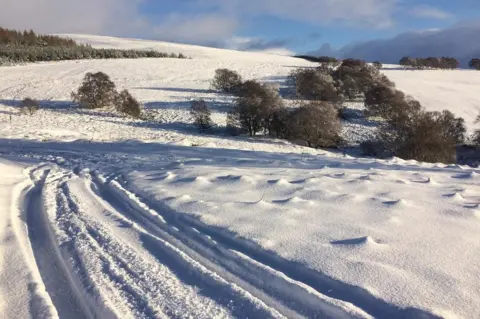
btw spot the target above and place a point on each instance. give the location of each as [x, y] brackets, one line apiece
[305, 291]
[290, 297]
[56, 273]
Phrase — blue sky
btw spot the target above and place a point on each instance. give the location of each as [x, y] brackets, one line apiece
[302, 31]
[296, 25]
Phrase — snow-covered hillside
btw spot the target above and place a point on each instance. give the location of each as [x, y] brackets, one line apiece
[439, 90]
[193, 51]
[107, 217]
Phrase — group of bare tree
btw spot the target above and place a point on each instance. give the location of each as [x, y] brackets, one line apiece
[96, 91]
[258, 107]
[99, 91]
[352, 79]
[319, 94]
[408, 130]
[445, 63]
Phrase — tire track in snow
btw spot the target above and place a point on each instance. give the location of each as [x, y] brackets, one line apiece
[103, 270]
[55, 273]
[148, 288]
[288, 296]
[172, 253]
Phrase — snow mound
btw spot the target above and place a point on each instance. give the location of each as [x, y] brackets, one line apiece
[362, 241]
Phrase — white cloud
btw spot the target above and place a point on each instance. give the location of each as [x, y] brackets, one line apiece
[429, 12]
[371, 13]
[196, 28]
[87, 16]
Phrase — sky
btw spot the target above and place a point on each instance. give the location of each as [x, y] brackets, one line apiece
[289, 26]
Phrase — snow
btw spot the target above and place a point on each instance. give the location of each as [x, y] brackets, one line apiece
[108, 217]
[22, 291]
[192, 51]
[408, 233]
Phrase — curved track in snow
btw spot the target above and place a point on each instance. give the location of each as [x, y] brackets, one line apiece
[106, 252]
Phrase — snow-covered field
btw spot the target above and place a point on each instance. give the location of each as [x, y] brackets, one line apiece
[106, 217]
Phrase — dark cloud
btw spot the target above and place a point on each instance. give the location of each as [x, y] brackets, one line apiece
[262, 44]
[459, 41]
[315, 35]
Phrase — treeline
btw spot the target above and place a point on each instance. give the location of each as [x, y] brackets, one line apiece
[24, 47]
[30, 38]
[446, 63]
[14, 54]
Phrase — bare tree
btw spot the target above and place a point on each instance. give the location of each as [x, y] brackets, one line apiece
[127, 104]
[201, 115]
[256, 105]
[96, 91]
[314, 84]
[476, 138]
[29, 106]
[355, 77]
[349, 87]
[316, 124]
[377, 64]
[227, 81]
[424, 136]
[381, 100]
[233, 125]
